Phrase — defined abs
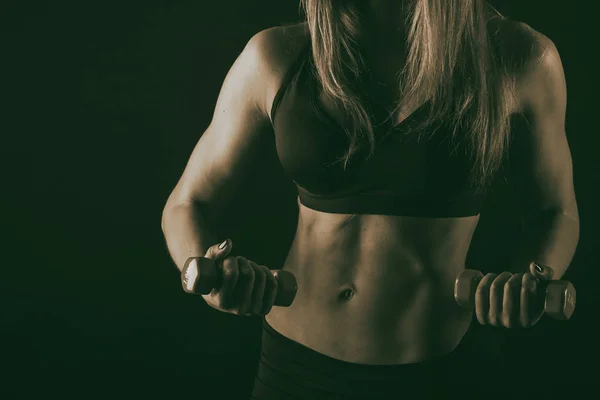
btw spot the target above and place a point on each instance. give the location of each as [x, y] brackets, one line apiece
[375, 292]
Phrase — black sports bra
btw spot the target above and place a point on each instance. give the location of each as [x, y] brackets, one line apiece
[406, 176]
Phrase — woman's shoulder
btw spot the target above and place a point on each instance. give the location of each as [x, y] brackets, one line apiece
[277, 48]
[520, 49]
[518, 43]
[286, 41]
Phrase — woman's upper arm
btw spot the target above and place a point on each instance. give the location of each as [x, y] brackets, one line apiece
[236, 134]
[547, 177]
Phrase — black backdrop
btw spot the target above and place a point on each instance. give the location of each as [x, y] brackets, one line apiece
[103, 103]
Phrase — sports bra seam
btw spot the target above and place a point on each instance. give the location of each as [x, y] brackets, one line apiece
[471, 192]
[288, 77]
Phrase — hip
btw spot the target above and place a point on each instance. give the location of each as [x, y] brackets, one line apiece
[288, 369]
[358, 326]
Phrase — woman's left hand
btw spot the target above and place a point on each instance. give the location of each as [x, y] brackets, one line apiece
[511, 300]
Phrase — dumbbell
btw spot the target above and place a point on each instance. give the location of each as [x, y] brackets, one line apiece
[559, 302]
[201, 275]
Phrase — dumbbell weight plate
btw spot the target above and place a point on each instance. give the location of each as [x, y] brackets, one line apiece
[287, 287]
[560, 300]
[199, 275]
[465, 286]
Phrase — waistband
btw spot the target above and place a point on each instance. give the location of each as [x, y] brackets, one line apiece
[280, 349]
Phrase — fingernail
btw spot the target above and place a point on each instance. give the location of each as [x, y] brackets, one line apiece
[223, 245]
[546, 272]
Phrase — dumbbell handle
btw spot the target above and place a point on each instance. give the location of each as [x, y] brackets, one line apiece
[559, 301]
[200, 275]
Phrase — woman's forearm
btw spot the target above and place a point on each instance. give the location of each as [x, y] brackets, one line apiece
[550, 240]
[188, 232]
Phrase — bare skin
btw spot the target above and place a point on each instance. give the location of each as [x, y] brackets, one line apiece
[372, 289]
[376, 289]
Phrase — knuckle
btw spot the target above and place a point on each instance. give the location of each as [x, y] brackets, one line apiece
[483, 287]
[229, 263]
[260, 273]
[497, 286]
[516, 280]
[245, 270]
[486, 281]
[510, 291]
[246, 274]
[229, 273]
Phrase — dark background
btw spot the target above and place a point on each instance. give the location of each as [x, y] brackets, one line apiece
[102, 105]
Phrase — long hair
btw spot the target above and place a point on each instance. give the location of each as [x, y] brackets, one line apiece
[452, 61]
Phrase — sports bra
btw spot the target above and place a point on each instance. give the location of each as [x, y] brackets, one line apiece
[407, 175]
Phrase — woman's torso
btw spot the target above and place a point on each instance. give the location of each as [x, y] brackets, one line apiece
[375, 289]
[401, 272]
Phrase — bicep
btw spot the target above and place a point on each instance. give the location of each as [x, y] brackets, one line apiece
[235, 136]
[545, 170]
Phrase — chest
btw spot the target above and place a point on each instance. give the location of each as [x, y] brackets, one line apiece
[382, 88]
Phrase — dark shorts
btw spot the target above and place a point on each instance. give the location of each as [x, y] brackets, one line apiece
[289, 370]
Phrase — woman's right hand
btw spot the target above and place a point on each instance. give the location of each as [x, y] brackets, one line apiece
[246, 288]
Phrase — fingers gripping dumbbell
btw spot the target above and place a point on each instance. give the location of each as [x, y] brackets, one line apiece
[201, 275]
[559, 302]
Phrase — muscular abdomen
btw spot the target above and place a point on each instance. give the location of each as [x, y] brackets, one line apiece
[376, 289]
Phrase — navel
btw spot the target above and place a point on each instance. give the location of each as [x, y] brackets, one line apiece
[347, 294]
